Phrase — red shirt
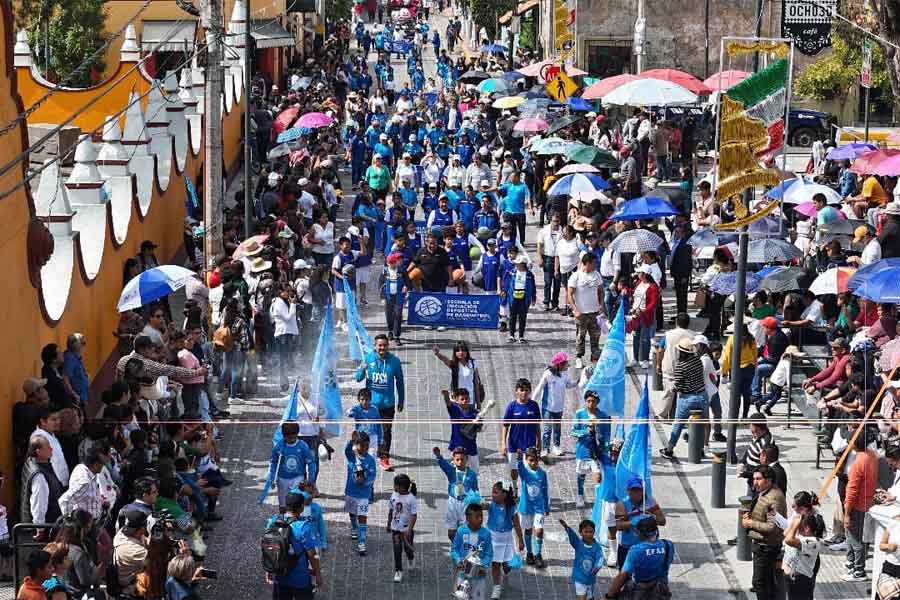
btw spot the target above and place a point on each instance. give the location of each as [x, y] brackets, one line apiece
[862, 481]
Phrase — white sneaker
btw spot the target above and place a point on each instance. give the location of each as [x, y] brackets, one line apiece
[579, 501]
[612, 554]
[496, 592]
[398, 576]
[442, 328]
[545, 453]
[361, 548]
[579, 364]
[556, 451]
[645, 364]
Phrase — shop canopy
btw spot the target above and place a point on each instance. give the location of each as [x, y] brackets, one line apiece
[168, 36]
[269, 33]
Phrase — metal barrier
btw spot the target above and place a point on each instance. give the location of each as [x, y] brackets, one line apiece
[28, 542]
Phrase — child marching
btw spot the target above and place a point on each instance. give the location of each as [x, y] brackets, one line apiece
[534, 505]
[404, 509]
[461, 480]
[503, 520]
[359, 487]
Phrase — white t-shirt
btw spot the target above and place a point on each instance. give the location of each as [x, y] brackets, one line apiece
[404, 507]
[893, 538]
[871, 253]
[584, 287]
[305, 203]
[406, 173]
[521, 277]
[325, 237]
[568, 252]
[802, 560]
[710, 376]
[549, 238]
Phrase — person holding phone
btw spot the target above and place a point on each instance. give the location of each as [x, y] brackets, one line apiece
[183, 575]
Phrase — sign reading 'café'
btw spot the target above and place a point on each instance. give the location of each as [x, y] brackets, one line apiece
[808, 23]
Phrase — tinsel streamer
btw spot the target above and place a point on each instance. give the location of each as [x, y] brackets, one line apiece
[738, 127]
[756, 216]
[779, 49]
[740, 182]
[770, 109]
[760, 86]
[735, 158]
[776, 140]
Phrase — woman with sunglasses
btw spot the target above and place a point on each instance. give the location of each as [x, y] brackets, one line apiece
[463, 371]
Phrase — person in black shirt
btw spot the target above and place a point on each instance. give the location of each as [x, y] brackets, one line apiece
[60, 396]
[769, 457]
[434, 263]
[889, 238]
[691, 392]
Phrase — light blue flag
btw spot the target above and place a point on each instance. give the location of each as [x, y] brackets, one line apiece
[634, 459]
[289, 414]
[358, 339]
[608, 376]
[324, 375]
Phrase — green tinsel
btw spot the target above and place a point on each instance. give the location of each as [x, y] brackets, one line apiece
[760, 86]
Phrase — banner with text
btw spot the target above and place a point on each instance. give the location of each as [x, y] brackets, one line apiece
[462, 311]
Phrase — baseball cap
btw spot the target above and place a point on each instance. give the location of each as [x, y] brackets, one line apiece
[634, 482]
[860, 232]
[770, 323]
[134, 520]
[32, 384]
[485, 184]
[383, 136]
[302, 181]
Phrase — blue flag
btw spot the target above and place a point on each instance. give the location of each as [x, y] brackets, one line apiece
[324, 375]
[608, 376]
[634, 459]
[358, 339]
[289, 414]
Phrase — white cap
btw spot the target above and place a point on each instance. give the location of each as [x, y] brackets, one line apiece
[521, 260]
[353, 230]
[274, 177]
[700, 339]
[645, 269]
[485, 184]
[412, 137]
[302, 181]
[383, 136]
[300, 264]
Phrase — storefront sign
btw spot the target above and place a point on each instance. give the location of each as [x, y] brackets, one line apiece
[808, 24]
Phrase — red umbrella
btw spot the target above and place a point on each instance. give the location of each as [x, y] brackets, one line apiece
[725, 79]
[685, 80]
[878, 162]
[284, 119]
[606, 85]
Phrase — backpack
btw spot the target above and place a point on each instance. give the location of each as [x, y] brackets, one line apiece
[278, 556]
[223, 339]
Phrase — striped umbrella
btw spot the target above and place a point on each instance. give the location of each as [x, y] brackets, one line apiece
[579, 182]
[832, 281]
[152, 285]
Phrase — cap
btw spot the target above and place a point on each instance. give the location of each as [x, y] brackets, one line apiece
[770, 323]
[634, 482]
[486, 185]
[492, 242]
[483, 151]
[407, 155]
[521, 260]
[383, 136]
[32, 384]
[134, 520]
[412, 137]
[432, 185]
[300, 264]
[700, 340]
[559, 358]
[303, 181]
[645, 269]
[860, 232]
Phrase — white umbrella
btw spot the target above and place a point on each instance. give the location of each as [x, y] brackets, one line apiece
[801, 191]
[649, 92]
[153, 284]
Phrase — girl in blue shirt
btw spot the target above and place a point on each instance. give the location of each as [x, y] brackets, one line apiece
[502, 521]
[588, 558]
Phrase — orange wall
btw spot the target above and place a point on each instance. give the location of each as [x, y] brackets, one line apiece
[91, 307]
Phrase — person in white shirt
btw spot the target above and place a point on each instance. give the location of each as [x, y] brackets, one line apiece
[568, 249]
[547, 240]
[283, 312]
[432, 167]
[84, 489]
[479, 170]
[405, 172]
[871, 246]
[554, 382]
[322, 234]
[802, 544]
[47, 428]
[454, 174]
[585, 294]
[402, 515]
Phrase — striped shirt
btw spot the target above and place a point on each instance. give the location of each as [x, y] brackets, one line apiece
[689, 375]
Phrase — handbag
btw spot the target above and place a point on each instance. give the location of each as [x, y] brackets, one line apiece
[700, 298]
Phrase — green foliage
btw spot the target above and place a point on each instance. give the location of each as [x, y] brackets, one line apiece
[528, 34]
[486, 12]
[337, 9]
[77, 28]
[838, 72]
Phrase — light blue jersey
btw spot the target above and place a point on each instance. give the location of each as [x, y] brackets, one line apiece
[293, 461]
[535, 496]
[361, 416]
[587, 559]
[467, 540]
[459, 483]
[591, 440]
[353, 487]
[500, 518]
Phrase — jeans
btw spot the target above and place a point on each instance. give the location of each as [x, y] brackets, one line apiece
[551, 282]
[518, 223]
[764, 572]
[393, 314]
[715, 405]
[763, 370]
[746, 382]
[641, 341]
[232, 372]
[564, 283]
[856, 549]
[518, 312]
[663, 167]
[190, 398]
[681, 294]
[357, 170]
[384, 448]
[587, 327]
[552, 425]
[686, 403]
[774, 395]
[284, 344]
[283, 592]
[609, 298]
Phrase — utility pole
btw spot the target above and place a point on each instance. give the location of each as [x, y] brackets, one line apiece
[213, 180]
[248, 63]
[640, 31]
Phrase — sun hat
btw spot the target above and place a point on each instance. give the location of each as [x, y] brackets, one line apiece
[32, 384]
[892, 208]
[686, 345]
[253, 248]
[558, 358]
[300, 264]
[700, 339]
[260, 264]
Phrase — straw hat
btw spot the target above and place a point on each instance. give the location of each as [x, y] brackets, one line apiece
[260, 264]
[253, 248]
[686, 345]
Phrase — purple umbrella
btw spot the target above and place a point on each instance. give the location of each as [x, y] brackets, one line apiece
[849, 151]
[314, 120]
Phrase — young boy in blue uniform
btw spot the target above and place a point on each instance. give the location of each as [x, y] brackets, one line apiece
[367, 418]
[460, 481]
[473, 537]
[588, 558]
[591, 441]
[518, 438]
[647, 563]
[534, 505]
[489, 267]
[292, 462]
[360, 486]
[299, 582]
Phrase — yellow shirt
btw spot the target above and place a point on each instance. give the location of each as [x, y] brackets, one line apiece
[748, 355]
[873, 192]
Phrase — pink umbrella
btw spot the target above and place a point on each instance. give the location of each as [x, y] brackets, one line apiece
[725, 79]
[878, 162]
[809, 209]
[530, 125]
[577, 168]
[890, 355]
[606, 85]
[284, 118]
[314, 120]
[685, 80]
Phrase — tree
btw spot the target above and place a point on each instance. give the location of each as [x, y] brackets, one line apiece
[886, 21]
[63, 35]
[486, 12]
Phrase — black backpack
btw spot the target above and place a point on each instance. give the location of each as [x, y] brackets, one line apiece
[278, 557]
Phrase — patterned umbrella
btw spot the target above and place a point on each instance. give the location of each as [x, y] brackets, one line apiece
[772, 250]
[832, 281]
[606, 85]
[704, 238]
[785, 280]
[508, 102]
[636, 241]
[579, 182]
[725, 284]
[292, 134]
[890, 355]
[314, 120]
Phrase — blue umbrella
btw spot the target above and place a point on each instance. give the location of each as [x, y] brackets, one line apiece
[779, 190]
[292, 134]
[849, 151]
[152, 285]
[766, 271]
[532, 95]
[512, 76]
[494, 48]
[704, 238]
[497, 84]
[862, 276]
[579, 104]
[577, 183]
[725, 284]
[644, 208]
[883, 286]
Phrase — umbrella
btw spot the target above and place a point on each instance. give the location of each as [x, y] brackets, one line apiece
[807, 209]
[494, 48]
[863, 274]
[530, 125]
[532, 95]
[579, 104]
[589, 196]
[152, 285]
[890, 355]
[675, 196]
[769, 250]
[801, 191]
[577, 168]
[636, 241]
[512, 76]
[508, 102]
[652, 92]
[766, 227]
[579, 182]
[844, 227]
[291, 134]
[708, 251]
[534, 69]
[879, 162]
[551, 146]
[278, 151]
[532, 104]
[725, 79]
[883, 286]
[644, 208]
[704, 238]
[850, 151]
[685, 80]
[563, 122]
[593, 155]
[832, 281]
[778, 192]
[725, 284]
[766, 271]
[284, 118]
[785, 280]
[606, 85]
[474, 77]
[493, 85]
[314, 120]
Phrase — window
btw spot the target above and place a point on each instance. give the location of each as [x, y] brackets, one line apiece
[607, 57]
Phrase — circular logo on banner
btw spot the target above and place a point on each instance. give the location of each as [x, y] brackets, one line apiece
[613, 361]
[429, 308]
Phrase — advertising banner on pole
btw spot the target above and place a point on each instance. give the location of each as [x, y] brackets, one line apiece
[460, 311]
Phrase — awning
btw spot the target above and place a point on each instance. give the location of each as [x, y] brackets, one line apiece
[521, 9]
[269, 33]
[168, 36]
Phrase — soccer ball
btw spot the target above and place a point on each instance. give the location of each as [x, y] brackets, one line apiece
[474, 252]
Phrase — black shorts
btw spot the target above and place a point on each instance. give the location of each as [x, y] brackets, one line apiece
[281, 592]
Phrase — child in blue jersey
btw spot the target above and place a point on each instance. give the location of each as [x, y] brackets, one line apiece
[507, 264]
[359, 487]
[502, 521]
[460, 481]
[312, 512]
[402, 515]
[291, 462]
[430, 200]
[588, 558]
[630, 511]
[591, 441]
[489, 267]
[461, 410]
[534, 505]
[299, 580]
[473, 540]
[516, 438]
[366, 419]
[647, 564]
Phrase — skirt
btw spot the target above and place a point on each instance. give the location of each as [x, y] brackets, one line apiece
[502, 543]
